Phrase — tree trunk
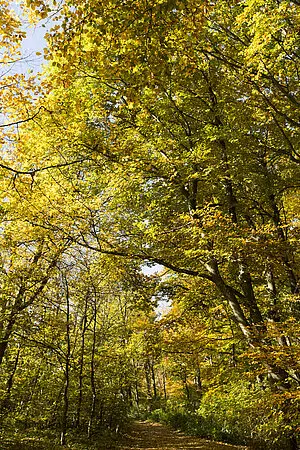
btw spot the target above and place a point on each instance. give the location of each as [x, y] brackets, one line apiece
[148, 379]
[93, 383]
[6, 336]
[153, 380]
[80, 387]
[9, 384]
[276, 375]
[164, 384]
[67, 369]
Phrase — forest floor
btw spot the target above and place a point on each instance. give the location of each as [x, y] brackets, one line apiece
[141, 435]
[150, 436]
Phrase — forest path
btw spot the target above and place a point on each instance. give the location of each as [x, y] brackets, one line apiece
[150, 436]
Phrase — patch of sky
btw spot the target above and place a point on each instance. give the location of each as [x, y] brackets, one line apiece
[29, 62]
[163, 307]
[151, 268]
[33, 43]
[163, 303]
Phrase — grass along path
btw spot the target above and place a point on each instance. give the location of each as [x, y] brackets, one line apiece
[149, 436]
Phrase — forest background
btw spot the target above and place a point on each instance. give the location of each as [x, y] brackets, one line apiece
[161, 133]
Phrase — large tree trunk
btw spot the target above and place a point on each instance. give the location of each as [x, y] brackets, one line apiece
[253, 333]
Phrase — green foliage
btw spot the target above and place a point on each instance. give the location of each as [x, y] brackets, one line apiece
[37, 439]
[162, 132]
[238, 413]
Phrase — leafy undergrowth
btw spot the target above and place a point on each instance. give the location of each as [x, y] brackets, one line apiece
[237, 415]
[47, 440]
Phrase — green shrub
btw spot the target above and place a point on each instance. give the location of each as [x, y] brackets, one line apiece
[238, 414]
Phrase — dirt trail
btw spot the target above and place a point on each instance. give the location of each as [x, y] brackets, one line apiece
[150, 436]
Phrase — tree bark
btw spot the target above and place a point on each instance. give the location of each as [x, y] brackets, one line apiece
[81, 361]
[67, 368]
[93, 382]
[9, 384]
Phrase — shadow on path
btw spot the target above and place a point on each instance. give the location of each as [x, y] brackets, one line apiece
[150, 436]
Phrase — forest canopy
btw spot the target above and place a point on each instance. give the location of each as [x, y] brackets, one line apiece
[154, 160]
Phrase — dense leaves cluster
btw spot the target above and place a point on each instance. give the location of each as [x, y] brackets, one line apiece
[165, 133]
